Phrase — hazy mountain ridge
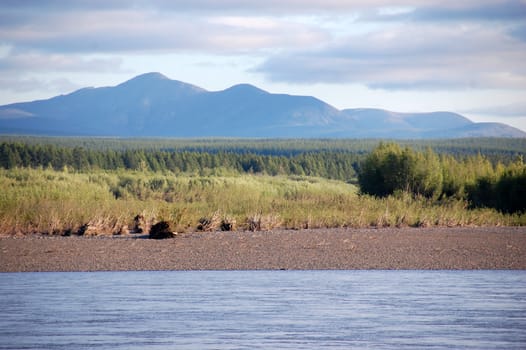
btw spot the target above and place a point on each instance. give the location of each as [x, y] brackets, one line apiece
[154, 105]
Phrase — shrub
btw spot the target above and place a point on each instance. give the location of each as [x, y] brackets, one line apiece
[389, 169]
[506, 192]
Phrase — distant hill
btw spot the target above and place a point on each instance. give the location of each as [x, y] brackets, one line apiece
[154, 105]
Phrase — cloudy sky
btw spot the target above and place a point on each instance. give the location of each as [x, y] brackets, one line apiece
[464, 56]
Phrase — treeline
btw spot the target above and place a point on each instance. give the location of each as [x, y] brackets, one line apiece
[331, 165]
[502, 150]
[391, 169]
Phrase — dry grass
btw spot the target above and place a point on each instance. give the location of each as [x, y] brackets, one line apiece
[51, 202]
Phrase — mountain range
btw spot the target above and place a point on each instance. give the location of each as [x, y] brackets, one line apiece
[154, 105]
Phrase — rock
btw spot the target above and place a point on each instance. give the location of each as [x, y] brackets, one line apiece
[161, 230]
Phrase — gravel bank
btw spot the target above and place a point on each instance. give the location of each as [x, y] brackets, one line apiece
[405, 248]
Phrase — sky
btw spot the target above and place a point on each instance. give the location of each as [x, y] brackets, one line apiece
[464, 56]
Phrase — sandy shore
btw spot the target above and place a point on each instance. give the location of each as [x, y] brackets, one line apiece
[406, 248]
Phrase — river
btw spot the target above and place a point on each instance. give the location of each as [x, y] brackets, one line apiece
[263, 310]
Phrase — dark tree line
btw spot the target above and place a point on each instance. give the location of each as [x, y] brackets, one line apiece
[495, 149]
[506, 191]
[332, 165]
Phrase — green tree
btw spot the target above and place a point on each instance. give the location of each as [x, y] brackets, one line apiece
[389, 168]
[510, 189]
[428, 174]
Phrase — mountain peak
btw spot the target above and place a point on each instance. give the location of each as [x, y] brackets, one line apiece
[146, 78]
[151, 76]
[160, 82]
[152, 104]
[246, 88]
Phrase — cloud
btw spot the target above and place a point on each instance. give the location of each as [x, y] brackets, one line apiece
[225, 27]
[507, 10]
[23, 85]
[142, 31]
[519, 32]
[408, 44]
[35, 61]
[424, 9]
[410, 56]
[22, 72]
[513, 110]
[213, 6]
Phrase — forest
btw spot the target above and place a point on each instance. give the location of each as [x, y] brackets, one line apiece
[65, 185]
[498, 148]
[329, 158]
[331, 165]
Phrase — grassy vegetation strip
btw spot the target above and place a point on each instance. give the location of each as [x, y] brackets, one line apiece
[58, 202]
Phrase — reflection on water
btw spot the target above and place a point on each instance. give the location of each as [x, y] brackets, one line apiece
[264, 310]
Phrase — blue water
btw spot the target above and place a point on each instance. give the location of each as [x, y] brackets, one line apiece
[264, 310]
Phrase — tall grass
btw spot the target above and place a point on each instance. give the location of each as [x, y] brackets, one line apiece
[53, 202]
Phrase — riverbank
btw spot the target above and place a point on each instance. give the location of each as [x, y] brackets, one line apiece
[391, 248]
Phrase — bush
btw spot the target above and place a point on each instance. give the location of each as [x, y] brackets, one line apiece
[389, 169]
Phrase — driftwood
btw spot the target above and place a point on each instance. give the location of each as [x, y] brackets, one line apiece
[140, 224]
[210, 223]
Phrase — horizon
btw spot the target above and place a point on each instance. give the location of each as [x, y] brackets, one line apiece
[404, 56]
[226, 88]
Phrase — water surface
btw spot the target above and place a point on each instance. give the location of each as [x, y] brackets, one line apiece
[264, 310]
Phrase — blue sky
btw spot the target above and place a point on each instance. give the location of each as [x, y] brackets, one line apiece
[407, 56]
